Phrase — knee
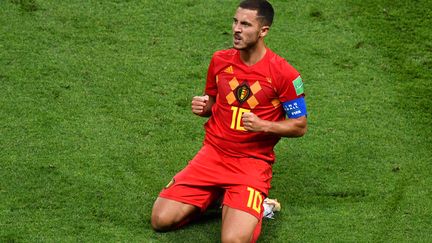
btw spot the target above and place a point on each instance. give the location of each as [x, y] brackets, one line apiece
[235, 238]
[161, 222]
[169, 215]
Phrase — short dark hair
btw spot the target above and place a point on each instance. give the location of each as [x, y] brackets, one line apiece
[264, 10]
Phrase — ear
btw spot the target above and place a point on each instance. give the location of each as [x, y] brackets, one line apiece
[264, 31]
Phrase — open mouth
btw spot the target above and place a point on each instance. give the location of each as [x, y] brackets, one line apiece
[237, 38]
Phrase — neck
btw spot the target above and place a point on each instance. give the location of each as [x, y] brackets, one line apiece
[254, 54]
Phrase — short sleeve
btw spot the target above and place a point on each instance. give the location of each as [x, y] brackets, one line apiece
[211, 82]
[289, 85]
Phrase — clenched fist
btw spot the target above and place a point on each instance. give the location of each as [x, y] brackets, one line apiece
[253, 123]
[199, 104]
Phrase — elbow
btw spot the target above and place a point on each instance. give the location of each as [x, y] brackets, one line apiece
[299, 132]
[301, 129]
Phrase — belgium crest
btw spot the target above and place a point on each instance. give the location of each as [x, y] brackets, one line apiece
[242, 93]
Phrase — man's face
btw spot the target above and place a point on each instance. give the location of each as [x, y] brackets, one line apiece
[246, 29]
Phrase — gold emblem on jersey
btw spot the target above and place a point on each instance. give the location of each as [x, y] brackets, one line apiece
[170, 183]
[242, 93]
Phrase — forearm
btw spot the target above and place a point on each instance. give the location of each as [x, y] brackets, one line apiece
[286, 128]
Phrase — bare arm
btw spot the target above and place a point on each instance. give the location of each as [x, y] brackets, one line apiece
[287, 128]
[201, 105]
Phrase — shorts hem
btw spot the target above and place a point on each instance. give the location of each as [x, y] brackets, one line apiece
[242, 209]
[178, 199]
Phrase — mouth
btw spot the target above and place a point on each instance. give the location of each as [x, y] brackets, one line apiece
[237, 38]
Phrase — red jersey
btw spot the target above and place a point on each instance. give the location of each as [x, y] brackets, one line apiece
[238, 88]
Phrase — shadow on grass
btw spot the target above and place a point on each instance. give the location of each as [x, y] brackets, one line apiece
[210, 217]
[205, 228]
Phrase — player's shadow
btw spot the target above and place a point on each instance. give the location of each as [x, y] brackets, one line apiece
[210, 216]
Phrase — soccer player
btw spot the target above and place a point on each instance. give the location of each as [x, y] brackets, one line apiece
[252, 97]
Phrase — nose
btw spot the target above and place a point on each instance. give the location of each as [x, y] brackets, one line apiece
[237, 28]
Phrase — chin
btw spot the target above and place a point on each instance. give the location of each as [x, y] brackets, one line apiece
[238, 47]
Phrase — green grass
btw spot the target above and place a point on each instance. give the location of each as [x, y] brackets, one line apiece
[95, 118]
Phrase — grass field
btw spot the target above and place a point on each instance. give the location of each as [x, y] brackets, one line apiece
[95, 118]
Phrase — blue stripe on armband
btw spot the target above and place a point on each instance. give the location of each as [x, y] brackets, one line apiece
[295, 108]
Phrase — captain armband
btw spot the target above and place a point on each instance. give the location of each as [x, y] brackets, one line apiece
[295, 108]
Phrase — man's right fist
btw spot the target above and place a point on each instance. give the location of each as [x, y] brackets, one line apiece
[199, 104]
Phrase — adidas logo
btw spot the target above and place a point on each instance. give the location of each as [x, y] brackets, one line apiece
[229, 70]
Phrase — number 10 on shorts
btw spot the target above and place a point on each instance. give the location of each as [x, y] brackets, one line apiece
[255, 199]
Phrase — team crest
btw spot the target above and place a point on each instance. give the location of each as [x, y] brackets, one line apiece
[242, 93]
[170, 183]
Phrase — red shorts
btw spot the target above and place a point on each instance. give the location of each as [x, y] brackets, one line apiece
[243, 182]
